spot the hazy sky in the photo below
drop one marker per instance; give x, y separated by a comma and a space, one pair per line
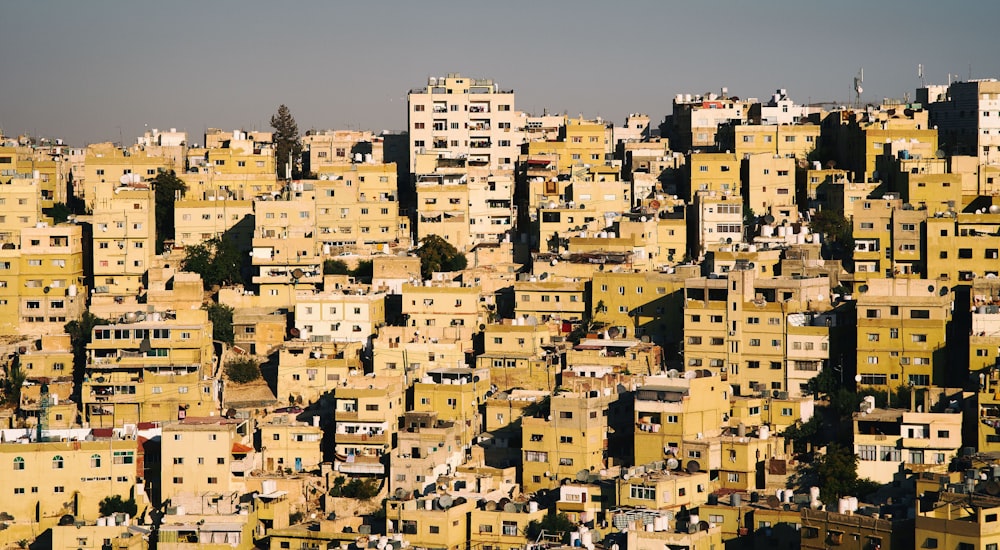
89, 71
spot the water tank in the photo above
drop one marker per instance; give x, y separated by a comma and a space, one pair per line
71, 291
765, 432
843, 505
813, 494
766, 231
782, 231
532, 507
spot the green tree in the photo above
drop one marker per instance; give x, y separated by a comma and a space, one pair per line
80, 332
217, 260
552, 524
836, 472
838, 231
167, 188
335, 267
59, 212
221, 317
803, 433
12, 383
364, 270
116, 504
437, 254
242, 370
286, 141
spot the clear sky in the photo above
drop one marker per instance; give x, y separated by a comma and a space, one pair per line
90, 71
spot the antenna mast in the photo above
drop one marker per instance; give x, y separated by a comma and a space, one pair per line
858, 80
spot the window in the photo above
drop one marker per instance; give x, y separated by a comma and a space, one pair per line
868, 452
640, 492
18, 463
565, 439
59, 489
57, 462
95, 461
786, 411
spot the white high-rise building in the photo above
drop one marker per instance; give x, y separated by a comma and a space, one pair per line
457, 116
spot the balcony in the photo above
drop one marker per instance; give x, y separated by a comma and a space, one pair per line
363, 438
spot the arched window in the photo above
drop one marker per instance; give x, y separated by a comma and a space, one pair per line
57, 462
95, 461
18, 463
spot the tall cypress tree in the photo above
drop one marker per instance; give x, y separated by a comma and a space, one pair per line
286, 141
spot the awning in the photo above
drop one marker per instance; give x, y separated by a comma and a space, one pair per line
239, 448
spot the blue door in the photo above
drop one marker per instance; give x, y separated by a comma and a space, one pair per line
298, 464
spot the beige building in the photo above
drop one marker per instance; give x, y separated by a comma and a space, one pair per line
147, 367
901, 333
367, 412
442, 311
106, 165
196, 221
427, 448
42, 280
235, 165
572, 436
890, 443
288, 444
46, 480
124, 222
206, 455
672, 413
340, 315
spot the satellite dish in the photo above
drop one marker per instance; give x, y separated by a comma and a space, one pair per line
614, 332
939, 153
510, 508
693, 466
445, 502
773, 501
46, 290
490, 506
673, 463
532, 321
645, 339
400, 493
655, 204
673, 373
297, 273
582, 475
992, 488
768, 219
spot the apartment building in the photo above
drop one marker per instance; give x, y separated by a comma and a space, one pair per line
457, 116
520, 356
901, 331
647, 303
717, 222
503, 526
570, 437
581, 143
695, 119
146, 367
719, 172
287, 444
285, 250
45, 167
892, 442
784, 140
826, 528
442, 311
342, 315
206, 455
322, 148
124, 225
434, 521
455, 394
464, 203
307, 370
427, 448
967, 120
367, 412
357, 209
659, 488
69, 475
42, 280
739, 326
768, 181
22, 207
548, 300
873, 250
197, 221
814, 187
963, 246
107, 166
236, 165
674, 410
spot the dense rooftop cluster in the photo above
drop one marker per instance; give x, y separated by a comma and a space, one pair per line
760, 324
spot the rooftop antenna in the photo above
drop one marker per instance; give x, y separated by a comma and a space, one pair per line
920, 74
858, 81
